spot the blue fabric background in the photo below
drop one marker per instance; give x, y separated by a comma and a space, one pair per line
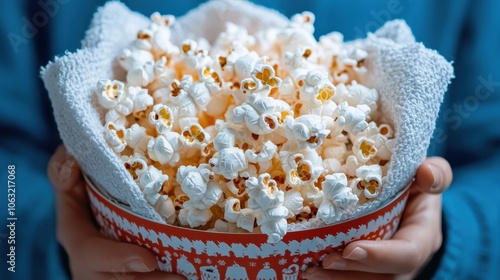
468, 133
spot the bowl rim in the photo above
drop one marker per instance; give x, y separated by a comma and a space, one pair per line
124, 207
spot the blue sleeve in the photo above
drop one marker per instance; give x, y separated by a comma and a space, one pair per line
33, 33
28, 138
471, 207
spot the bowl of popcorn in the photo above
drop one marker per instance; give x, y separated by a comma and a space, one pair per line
234, 144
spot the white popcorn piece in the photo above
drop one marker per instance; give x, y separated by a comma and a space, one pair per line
293, 201
115, 137
181, 102
245, 64
337, 197
224, 139
193, 180
308, 130
136, 138
227, 63
316, 89
151, 182
356, 94
231, 36
140, 97
194, 217
194, 135
162, 118
161, 34
364, 149
298, 33
301, 168
266, 76
351, 119
386, 130
263, 193
229, 162
261, 115
196, 182
237, 186
244, 218
136, 165
111, 95
211, 79
297, 62
263, 157
273, 223
165, 207
131, 59
351, 165
354, 57
165, 148
368, 181
193, 56
266, 198
332, 165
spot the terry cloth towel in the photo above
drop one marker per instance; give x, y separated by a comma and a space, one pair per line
410, 79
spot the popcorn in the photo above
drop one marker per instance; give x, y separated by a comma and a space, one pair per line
368, 181
115, 136
250, 133
308, 130
244, 218
229, 162
165, 148
337, 197
351, 119
162, 118
111, 95
265, 198
136, 138
140, 98
301, 168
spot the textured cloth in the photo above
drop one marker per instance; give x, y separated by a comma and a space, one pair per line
410, 79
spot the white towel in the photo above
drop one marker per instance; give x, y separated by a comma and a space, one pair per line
410, 79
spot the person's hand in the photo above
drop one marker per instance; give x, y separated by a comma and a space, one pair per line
419, 235
92, 256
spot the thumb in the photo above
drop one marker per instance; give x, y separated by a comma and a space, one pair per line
62, 169
434, 175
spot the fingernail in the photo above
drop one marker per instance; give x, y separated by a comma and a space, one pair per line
138, 266
357, 254
436, 174
309, 273
339, 264
334, 261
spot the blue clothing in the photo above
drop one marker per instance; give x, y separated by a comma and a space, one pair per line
468, 132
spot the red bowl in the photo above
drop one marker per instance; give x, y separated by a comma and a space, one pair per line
211, 255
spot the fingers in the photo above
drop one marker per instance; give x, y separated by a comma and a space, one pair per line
81, 239
418, 237
76, 231
63, 171
433, 176
318, 273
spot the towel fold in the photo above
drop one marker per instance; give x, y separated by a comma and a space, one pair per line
410, 79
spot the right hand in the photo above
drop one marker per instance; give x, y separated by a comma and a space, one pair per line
92, 256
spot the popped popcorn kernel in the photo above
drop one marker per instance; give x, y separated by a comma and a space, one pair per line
250, 132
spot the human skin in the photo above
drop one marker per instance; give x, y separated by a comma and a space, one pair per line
419, 235
92, 256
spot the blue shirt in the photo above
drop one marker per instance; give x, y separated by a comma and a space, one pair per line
468, 131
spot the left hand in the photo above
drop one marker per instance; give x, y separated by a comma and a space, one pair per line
419, 235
